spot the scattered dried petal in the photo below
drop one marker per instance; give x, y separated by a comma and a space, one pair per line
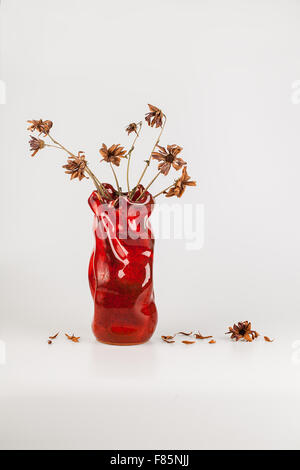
168, 339
55, 336
49, 341
199, 336
188, 342
184, 333
268, 339
212, 341
73, 338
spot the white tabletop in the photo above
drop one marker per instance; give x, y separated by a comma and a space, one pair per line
153, 396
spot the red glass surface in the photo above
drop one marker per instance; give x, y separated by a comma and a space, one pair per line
120, 269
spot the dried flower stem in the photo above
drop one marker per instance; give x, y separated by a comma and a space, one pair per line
130, 152
152, 181
53, 146
100, 188
148, 161
161, 192
61, 146
116, 179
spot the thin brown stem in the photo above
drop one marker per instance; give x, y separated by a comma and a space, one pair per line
100, 188
53, 146
116, 179
163, 191
152, 181
130, 152
61, 146
150, 158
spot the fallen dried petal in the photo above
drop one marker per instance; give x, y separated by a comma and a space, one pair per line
167, 340
167, 337
199, 336
212, 341
53, 337
247, 338
188, 342
73, 338
49, 341
184, 333
268, 339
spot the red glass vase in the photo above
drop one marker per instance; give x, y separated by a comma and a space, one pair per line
120, 269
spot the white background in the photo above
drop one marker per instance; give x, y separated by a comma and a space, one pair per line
223, 71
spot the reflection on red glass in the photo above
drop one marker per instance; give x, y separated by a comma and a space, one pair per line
120, 269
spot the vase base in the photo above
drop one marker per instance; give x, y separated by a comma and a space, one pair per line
120, 344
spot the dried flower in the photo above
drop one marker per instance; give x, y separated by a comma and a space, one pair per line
112, 154
55, 336
180, 185
168, 158
155, 116
268, 339
212, 341
188, 342
43, 127
76, 166
242, 331
35, 145
73, 338
131, 128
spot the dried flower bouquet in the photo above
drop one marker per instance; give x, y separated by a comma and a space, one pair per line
77, 166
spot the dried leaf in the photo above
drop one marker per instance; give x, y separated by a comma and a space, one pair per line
268, 339
53, 337
188, 342
73, 338
212, 341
